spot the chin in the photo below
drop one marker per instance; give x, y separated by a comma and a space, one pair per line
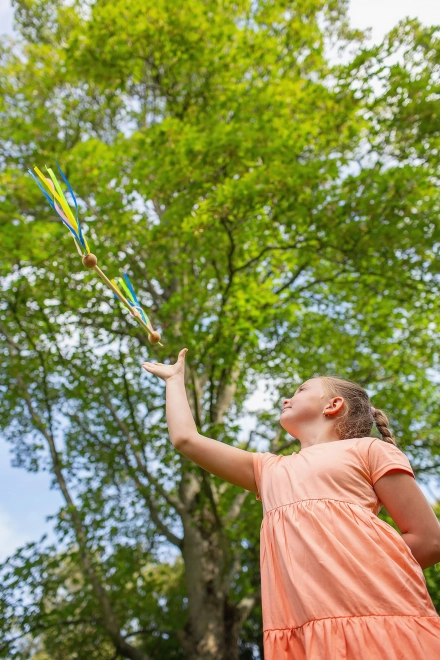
284, 424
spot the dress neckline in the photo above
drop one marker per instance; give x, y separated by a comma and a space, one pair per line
320, 444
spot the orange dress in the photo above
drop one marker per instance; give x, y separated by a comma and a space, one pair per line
337, 582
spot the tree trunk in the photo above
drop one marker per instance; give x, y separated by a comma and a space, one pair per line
214, 624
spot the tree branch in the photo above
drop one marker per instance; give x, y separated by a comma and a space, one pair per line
172, 501
245, 607
171, 537
251, 262
175, 540
225, 394
235, 508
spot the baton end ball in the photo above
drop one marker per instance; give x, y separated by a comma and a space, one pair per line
89, 261
154, 337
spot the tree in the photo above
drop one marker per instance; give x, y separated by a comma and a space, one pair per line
278, 213
67, 622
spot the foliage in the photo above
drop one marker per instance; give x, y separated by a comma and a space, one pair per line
60, 608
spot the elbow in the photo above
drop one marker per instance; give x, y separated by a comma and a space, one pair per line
426, 551
180, 442
431, 556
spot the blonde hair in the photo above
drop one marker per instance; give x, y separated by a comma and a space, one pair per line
357, 418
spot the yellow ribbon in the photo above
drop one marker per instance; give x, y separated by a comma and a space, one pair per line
64, 205
118, 289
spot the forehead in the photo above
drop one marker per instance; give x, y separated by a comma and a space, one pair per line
311, 383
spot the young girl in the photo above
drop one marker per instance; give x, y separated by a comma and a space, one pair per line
337, 582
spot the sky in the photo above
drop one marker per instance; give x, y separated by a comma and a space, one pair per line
26, 499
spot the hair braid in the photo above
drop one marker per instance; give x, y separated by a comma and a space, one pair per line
381, 421
358, 415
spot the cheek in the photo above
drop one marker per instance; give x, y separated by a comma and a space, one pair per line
306, 408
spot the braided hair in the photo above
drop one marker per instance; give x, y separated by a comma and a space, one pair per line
381, 421
358, 415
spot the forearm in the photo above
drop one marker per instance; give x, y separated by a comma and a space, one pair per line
425, 553
181, 425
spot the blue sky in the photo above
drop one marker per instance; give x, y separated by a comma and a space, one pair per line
26, 499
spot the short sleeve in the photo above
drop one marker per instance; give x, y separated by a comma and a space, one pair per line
384, 457
260, 461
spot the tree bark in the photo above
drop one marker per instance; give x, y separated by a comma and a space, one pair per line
214, 623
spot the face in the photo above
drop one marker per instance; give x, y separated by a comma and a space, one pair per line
305, 406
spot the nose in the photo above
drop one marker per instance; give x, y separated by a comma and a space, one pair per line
286, 401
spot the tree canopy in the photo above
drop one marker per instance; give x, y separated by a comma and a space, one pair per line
277, 210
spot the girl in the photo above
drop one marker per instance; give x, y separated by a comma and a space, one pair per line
337, 582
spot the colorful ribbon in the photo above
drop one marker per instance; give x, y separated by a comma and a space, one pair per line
51, 189
130, 295
58, 202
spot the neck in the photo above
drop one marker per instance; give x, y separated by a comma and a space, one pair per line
316, 433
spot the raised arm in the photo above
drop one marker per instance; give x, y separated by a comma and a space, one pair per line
229, 463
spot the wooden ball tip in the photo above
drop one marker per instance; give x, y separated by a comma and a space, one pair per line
154, 337
89, 261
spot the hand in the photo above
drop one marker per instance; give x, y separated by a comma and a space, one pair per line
166, 371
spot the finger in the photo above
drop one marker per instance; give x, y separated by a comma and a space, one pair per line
150, 366
182, 354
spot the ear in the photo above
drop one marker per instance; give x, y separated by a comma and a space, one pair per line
334, 406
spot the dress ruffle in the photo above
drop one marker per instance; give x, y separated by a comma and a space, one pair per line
358, 638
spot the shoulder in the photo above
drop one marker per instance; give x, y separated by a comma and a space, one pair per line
372, 444
261, 461
382, 457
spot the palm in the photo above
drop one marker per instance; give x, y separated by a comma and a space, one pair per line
165, 371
